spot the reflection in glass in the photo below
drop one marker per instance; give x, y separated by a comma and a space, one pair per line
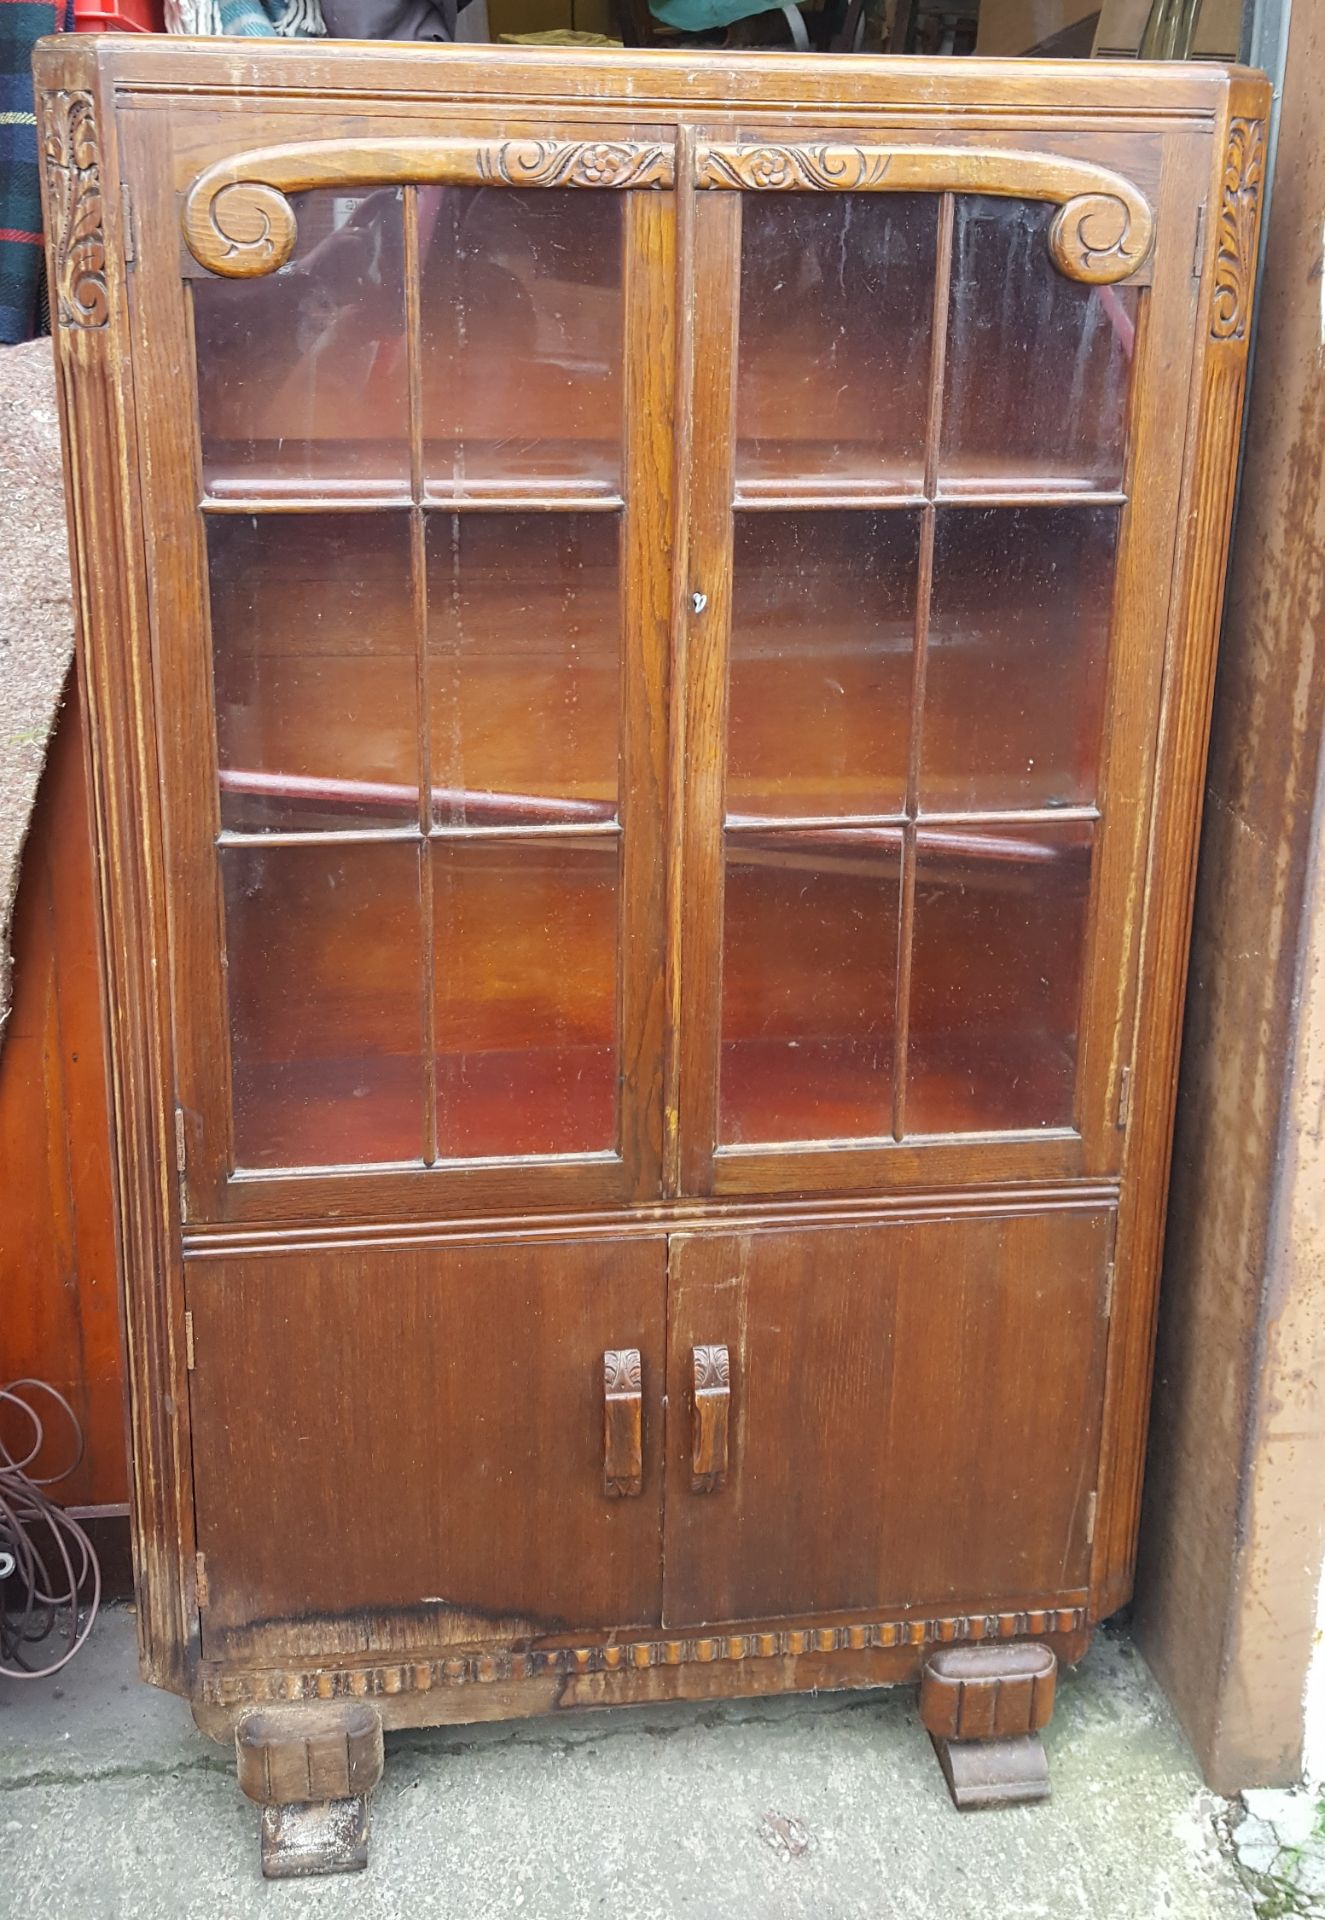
302, 376
315, 669
1018, 646
837, 294
521, 316
526, 996
808, 984
1000, 928
524, 667
325, 1003
1038, 365
823, 622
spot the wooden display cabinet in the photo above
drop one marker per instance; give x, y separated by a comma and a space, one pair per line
648, 624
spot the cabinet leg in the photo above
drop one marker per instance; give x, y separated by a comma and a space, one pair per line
984, 1708
311, 1769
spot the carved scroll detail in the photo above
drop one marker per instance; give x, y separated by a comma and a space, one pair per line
71, 155
511, 1664
1235, 246
238, 221
1103, 233
575, 163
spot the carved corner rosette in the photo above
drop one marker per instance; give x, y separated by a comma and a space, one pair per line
1235, 244
71, 161
238, 220
1103, 232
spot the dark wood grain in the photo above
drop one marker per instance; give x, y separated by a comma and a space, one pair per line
57, 1232
894, 1392
968, 919
476, 1375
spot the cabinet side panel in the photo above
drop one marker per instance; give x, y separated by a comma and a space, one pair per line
85, 245
1231, 236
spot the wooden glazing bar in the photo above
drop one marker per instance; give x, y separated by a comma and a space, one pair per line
749, 823
677, 772
504, 500
423, 711
924, 593
716, 253
779, 497
648, 238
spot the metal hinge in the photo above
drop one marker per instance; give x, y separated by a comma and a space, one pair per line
1092, 1506
128, 227
1124, 1095
181, 1162
1110, 1276
1198, 254
188, 1341
200, 1564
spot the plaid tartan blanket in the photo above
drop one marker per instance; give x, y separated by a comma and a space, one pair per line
22, 23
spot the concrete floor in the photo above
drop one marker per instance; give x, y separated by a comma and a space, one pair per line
113, 1808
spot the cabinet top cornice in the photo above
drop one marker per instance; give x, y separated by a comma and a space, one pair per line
670, 83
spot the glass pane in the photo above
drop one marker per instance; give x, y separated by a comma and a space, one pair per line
1038, 365
524, 666
315, 665
526, 1004
522, 338
326, 998
837, 293
808, 985
1018, 645
823, 624
1000, 927
302, 379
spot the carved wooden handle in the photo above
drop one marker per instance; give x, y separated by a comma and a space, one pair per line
623, 1423
710, 1418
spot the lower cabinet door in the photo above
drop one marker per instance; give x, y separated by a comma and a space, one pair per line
884, 1416
412, 1448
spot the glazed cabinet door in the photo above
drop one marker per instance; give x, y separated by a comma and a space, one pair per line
883, 1417
931, 548
408, 530
418, 1449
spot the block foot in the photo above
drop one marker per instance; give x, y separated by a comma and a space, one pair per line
984, 1708
311, 1769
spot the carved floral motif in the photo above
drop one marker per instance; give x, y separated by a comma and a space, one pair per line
71, 156
621, 1370
775, 169
575, 163
712, 1367
1235, 247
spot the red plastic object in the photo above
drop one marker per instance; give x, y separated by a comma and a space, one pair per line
118, 16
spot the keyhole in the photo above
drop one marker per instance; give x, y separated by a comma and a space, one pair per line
698, 602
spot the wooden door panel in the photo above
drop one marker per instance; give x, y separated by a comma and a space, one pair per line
914, 1415
924, 672
412, 547
409, 1448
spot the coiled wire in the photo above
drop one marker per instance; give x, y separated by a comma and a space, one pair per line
50, 1580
